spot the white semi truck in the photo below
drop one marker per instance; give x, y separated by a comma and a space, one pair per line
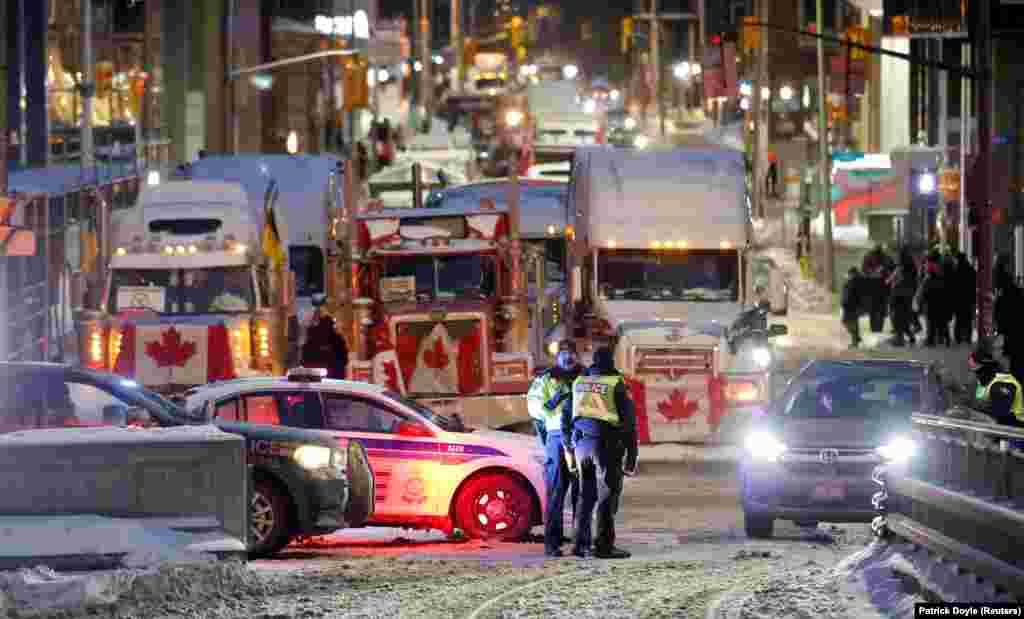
191, 295
661, 269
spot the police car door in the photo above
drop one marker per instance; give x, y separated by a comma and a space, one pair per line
403, 453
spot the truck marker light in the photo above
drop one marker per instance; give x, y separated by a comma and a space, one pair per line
180, 249
669, 245
96, 347
192, 249
725, 245
681, 244
240, 248
611, 243
552, 229
168, 250
656, 244
121, 251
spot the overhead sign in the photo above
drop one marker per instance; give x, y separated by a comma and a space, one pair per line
356, 25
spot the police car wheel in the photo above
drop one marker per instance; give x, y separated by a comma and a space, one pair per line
268, 520
494, 506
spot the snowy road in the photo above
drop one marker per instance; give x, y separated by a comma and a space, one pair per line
683, 526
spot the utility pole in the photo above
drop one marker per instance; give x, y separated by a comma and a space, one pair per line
655, 40
4, 128
755, 107
982, 56
88, 86
457, 45
823, 163
425, 60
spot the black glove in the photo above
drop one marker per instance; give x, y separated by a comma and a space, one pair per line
554, 402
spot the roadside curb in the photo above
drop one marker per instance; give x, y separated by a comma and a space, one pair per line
697, 459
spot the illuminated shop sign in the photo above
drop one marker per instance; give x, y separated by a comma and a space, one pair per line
356, 25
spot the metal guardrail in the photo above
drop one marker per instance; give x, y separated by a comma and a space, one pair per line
961, 497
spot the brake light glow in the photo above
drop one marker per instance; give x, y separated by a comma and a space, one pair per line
261, 359
95, 347
116, 339
241, 343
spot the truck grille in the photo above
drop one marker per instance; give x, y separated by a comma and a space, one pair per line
672, 362
443, 358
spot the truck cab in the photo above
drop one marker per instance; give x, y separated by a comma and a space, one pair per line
662, 271
188, 297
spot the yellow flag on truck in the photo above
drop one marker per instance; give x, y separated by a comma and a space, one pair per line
273, 248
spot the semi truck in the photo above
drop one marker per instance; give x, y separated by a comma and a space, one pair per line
661, 269
440, 308
192, 292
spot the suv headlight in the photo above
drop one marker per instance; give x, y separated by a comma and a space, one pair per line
762, 356
764, 447
899, 449
313, 457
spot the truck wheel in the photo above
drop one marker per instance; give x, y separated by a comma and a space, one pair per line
268, 520
494, 506
758, 527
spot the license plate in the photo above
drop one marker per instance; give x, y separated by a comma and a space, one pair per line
830, 491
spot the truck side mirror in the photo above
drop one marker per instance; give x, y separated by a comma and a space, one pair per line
777, 330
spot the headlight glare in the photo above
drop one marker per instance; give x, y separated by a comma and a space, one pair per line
899, 449
553, 348
764, 447
313, 457
761, 356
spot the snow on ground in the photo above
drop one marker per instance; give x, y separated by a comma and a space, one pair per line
153, 557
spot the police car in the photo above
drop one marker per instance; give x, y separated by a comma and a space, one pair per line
431, 472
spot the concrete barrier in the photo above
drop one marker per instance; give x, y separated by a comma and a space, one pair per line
189, 479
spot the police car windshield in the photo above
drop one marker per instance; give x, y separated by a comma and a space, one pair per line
445, 423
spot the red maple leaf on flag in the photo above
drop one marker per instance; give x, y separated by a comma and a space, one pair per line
435, 357
391, 375
171, 350
677, 406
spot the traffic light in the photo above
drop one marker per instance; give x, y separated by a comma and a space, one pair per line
356, 82
627, 34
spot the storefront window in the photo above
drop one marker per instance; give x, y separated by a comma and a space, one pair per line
126, 83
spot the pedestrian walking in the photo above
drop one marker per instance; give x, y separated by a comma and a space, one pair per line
549, 394
903, 284
772, 176
930, 301
964, 299
874, 271
851, 303
324, 346
599, 429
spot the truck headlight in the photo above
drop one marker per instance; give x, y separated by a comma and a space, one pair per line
764, 447
899, 449
553, 348
761, 356
313, 457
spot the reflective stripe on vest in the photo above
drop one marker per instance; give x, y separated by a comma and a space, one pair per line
543, 389
1018, 398
593, 397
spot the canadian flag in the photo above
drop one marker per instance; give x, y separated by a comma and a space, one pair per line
162, 354
436, 368
387, 372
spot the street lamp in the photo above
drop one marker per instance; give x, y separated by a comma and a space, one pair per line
744, 104
926, 183
766, 93
682, 70
417, 66
746, 89
570, 71
292, 144
786, 93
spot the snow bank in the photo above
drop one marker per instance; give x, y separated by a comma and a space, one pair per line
805, 295
159, 563
111, 435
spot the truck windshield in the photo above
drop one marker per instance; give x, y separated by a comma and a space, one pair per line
674, 275
440, 277
220, 290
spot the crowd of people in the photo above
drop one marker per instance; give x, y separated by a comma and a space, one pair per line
939, 287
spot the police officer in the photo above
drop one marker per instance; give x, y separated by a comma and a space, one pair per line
548, 395
324, 347
998, 394
599, 428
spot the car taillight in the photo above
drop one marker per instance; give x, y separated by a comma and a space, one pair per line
261, 346
742, 391
411, 428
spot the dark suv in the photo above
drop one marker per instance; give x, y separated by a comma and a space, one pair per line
292, 493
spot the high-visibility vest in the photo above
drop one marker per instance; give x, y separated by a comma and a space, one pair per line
544, 388
593, 397
984, 392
